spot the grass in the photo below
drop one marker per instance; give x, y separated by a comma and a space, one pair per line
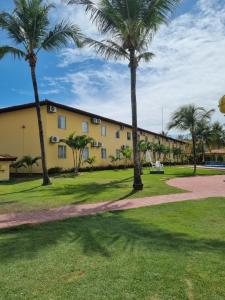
172, 251
28, 194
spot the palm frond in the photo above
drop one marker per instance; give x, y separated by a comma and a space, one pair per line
17, 53
60, 35
107, 48
146, 56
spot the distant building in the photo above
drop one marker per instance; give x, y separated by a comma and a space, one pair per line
19, 134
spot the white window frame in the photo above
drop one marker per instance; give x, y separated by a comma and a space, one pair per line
118, 153
62, 155
86, 153
61, 125
103, 150
103, 132
85, 129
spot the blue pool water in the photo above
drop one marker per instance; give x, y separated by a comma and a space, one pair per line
214, 164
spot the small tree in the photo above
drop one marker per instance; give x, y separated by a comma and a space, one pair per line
159, 149
114, 160
143, 147
126, 155
166, 152
29, 161
90, 161
17, 165
77, 144
177, 153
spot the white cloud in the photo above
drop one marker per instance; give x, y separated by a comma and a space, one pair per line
189, 67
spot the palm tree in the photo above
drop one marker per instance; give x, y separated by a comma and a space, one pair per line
90, 161
159, 149
166, 152
17, 165
30, 161
28, 27
77, 144
217, 135
204, 137
177, 153
127, 155
186, 118
128, 26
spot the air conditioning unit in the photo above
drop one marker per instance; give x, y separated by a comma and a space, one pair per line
95, 145
52, 109
100, 144
122, 127
96, 121
54, 139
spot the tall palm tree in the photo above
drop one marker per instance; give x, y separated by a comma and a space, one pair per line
28, 27
128, 26
186, 118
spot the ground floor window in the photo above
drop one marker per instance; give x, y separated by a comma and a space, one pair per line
118, 153
61, 151
103, 153
85, 153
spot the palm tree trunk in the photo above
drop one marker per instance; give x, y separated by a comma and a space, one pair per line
74, 164
194, 152
137, 185
46, 180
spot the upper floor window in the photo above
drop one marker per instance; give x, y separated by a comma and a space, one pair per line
85, 153
62, 122
129, 136
117, 134
62, 151
85, 127
103, 131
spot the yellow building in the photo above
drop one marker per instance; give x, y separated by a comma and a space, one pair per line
19, 133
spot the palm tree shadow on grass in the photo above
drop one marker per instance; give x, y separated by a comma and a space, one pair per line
22, 191
96, 235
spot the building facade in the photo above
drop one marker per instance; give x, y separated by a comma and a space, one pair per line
19, 134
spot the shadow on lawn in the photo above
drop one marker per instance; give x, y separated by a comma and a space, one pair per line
22, 191
97, 235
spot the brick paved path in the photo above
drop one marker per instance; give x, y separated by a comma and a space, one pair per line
197, 188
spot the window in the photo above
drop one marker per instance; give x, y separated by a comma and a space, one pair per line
103, 153
85, 153
118, 153
85, 127
61, 151
103, 131
129, 136
62, 122
117, 134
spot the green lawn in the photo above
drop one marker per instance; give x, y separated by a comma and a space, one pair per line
28, 194
168, 252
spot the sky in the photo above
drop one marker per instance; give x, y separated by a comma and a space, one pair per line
188, 67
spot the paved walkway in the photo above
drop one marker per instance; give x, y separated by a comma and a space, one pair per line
197, 188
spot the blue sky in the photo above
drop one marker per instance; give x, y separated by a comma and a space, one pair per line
189, 67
